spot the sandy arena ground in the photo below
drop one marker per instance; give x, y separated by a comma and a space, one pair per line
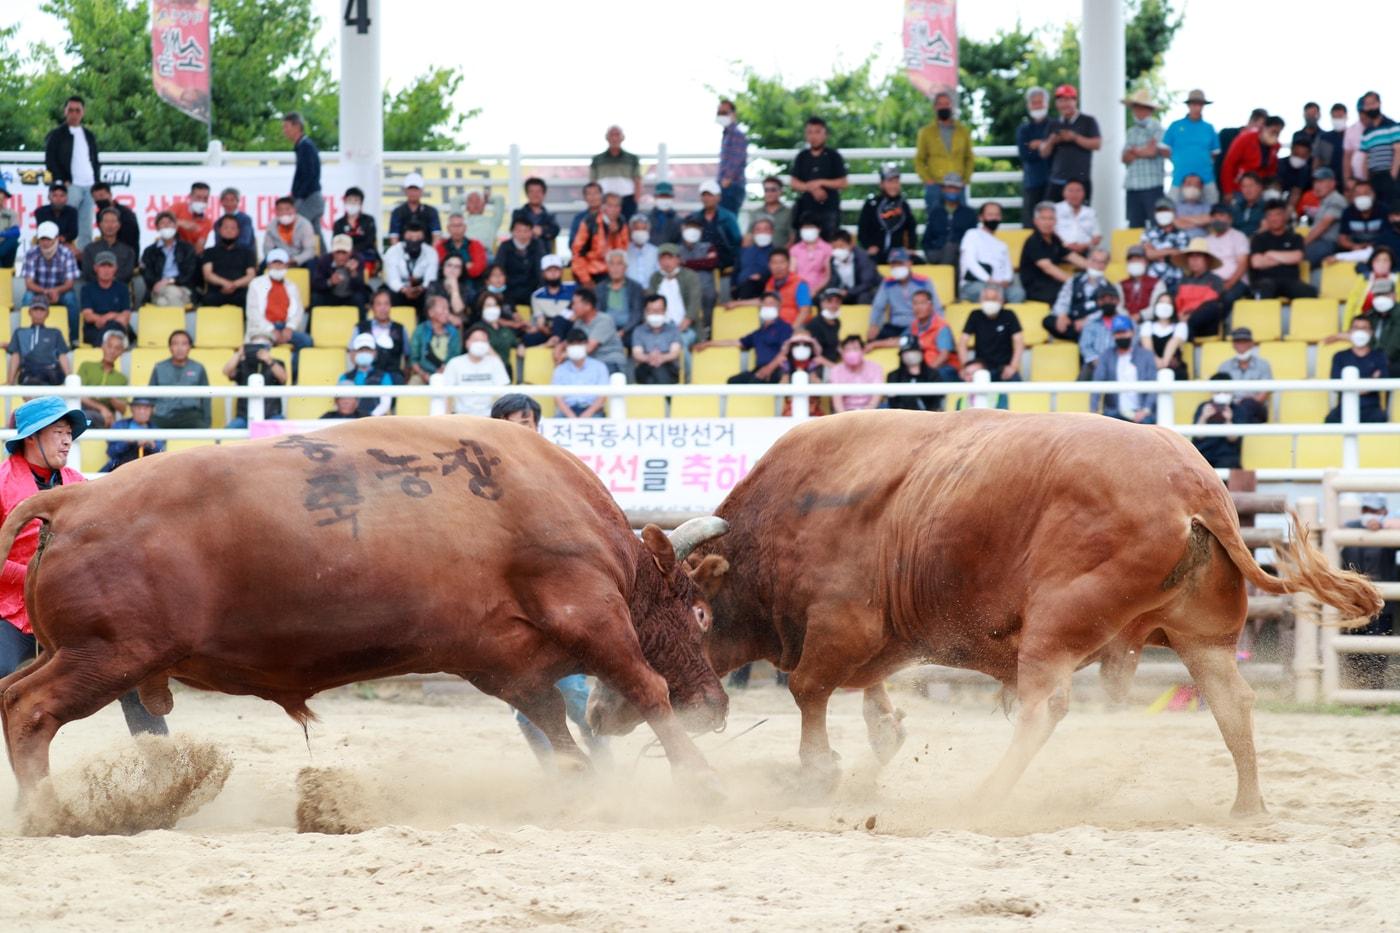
1120, 824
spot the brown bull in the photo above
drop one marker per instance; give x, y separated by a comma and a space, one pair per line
287, 566
1015, 545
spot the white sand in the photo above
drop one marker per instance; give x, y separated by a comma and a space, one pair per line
1120, 824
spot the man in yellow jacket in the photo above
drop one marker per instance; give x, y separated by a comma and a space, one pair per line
944, 146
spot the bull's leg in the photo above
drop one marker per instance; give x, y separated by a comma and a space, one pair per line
1042, 689
883, 723
1231, 700
545, 709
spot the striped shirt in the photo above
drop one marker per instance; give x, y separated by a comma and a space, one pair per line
1141, 173
1378, 145
733, 155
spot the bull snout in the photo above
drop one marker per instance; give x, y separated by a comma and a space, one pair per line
707, 712
609, 713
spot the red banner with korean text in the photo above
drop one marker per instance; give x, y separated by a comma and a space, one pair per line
180, 55
931, 45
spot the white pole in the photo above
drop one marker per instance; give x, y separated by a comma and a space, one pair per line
1166, 402
1351, 417
75, 453
1307, 673
516, 178
801, 408
1101, 89
1331, 521
982, 379
617, 404
256, 409
437, 405
362, 101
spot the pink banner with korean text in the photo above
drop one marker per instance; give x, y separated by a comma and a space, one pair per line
931, 45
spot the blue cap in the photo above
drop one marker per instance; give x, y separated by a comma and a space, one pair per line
32, 417
1121, 325
899, 254
664, 187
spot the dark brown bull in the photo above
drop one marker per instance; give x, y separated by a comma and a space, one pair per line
1016, 545
287, 566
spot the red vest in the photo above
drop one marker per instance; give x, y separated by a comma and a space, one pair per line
16, 485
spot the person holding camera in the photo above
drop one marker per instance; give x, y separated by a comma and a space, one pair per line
1224, 452
255, 356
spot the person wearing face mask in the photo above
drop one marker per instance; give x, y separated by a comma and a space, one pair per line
38, 354
1363, 220
1276, 257
718, 225
944, 148
913, 369
598, 234
435, 341
733, 158
293, 233
1295, 173
478, 366
1329, 149
1165, 334
641, 252
1138, 287
1129, 361
1075, 222
1193, 146
1069, 144
751, 270
390, 338
1143, 154
1192, 213
1373, 298
766, 343
551, 305
604, 342
1253, 150
1372, 364
1223, 453
1077, 301
1380, 141
169, 266
1096, 338
825, 326
51, 272
665, 219
1035, 168
802, 354
794, 294
365, 371
410, 267
129, 228
413, 209
1198, 294
811, 257
854, 369
992, 339
887, 220
700, 256
276, 306
62, 215
338, 278
775, 212
656, 346
1325, 209
228, 267
1164, 241
577, 368
1247, 363
255, 357
360, 228
852, 272
893, 307
935, 335
229, 201
503, 328
193, 218
681, 289
947, 222
984, 259
1231, 247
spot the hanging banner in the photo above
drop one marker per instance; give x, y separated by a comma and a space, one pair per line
931, 45
180, 55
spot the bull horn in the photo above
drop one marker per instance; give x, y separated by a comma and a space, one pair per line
695, 532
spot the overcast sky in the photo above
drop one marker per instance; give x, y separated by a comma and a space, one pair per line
550, 75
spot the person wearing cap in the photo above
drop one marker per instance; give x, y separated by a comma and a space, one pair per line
275, 306
366, 371
1231, 247
852, 272
893, 308
180, 370
457, 243
255, 357
1197, 292
1373, 297
1076, 224
1223, 453
306, 177
338, 278
38, 353
1370, 362
576, 368
775, 212
985, 259
410, 266
681, 289
818, 174
1295, 173
1077, 301
552, 304
50, 272
413, 209
946, 222
656, 345
1129, 361
169, 266
121, 452
109, 226
359, 227
943, 148
292, 233
70, 157
733, 158
802, 353
1035, 168
229, 201
1323, 207
63, 215
477, 366
719, 225
106, 303
913, 369
1247, 363
825, 326
641, 251
1137, 289
544, 226
1276, 257
664, 219
1143, 154
1253, 150
193, 219
1164, 241
1070, 142
1368, 671
1193, 145
9, 230
598, 234
618, 171
106, 371
519, 257
390, 337
1096, 338
229, 267
887, 220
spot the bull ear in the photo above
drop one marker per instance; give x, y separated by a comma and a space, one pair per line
659, 545
708, 574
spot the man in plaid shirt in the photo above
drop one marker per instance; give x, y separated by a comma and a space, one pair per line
733, 159
51, 272
1143, 155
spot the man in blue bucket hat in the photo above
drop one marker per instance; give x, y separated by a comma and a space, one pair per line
45, 429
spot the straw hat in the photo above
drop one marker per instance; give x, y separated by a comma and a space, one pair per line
1140, 98
1198, 245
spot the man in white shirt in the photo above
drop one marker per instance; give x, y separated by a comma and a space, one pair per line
479, 366
1075, 222
986, 260
641, 252
70, 155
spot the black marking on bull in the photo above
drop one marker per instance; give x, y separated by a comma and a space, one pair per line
1197, 554
338, 494
412, 484
810, 502
483, 484
317, 451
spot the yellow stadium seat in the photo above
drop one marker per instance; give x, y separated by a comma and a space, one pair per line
1029, 401
695, 406
1322, 365
414, 405
5, 327
1379, 451
155, 324
301, 278
334, 325
1287, 360
711, 366
1267, 452
1032, 315
1303, 407
83, 355
1186, 404
308, 409
1014, 240
1319, 451
143, 360
1055, 362
1116, 272
1338, 279
944, 279
1071, 401
855, 319
321, 366
1263, 316
1311, 319
405, 315
886, 357
220, 326
1122, 239
539, 366
1214, 353
94, 453
957, 315
213, 360
283, 354
57, 319
750, 406
733, 323
646, 406
7, 289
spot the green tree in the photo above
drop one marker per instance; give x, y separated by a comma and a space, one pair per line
421, 116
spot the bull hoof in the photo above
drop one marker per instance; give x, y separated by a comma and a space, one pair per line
1244, 809
887, 735
705, 786
820, 777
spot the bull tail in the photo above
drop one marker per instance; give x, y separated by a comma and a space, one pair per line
1302, 567
40, 507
